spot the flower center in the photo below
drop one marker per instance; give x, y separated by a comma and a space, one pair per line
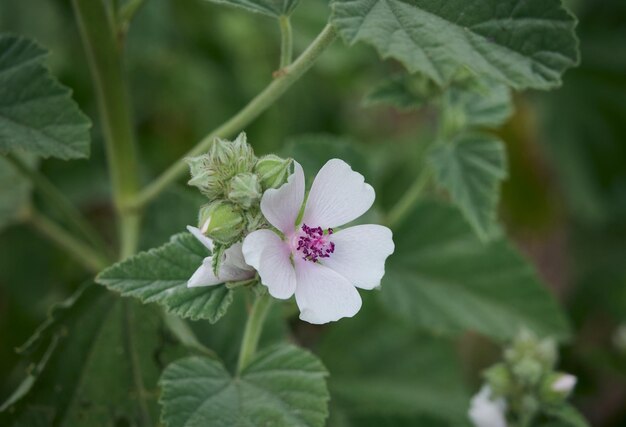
313, 244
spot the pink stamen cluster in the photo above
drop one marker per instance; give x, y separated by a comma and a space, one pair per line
313, 244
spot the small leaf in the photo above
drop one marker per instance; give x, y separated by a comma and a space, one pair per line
481, 103
273, 8
283, 386
441, 277
160, 275
404, 92
15, 191
37, 114
523, 43
567, 416
471, 168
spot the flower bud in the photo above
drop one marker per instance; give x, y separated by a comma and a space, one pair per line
273, 171
221, 221
557, 387
232, 157
244, 190
204, 176
499, 379
528, 371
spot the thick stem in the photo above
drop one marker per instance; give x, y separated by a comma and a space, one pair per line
286, 77
58, 200
99, 33
410, 197
286, 41
89, 258
252, 333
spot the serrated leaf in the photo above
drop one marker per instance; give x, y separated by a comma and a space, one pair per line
273, 8
15, 193
404, 92
96, 362
523, 43
481, 103
441, 277
471, 168
423, 379
283, 386
37, 114
160, 275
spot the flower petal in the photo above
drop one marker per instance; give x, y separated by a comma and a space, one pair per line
234, 267
322, 295
270, 256
204, 275
485, 412
338, 195
360, 254
281, 206
201, 237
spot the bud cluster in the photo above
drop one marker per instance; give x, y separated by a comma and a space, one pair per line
526, 379
234, 179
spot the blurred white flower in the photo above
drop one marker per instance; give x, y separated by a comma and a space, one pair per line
564, 383
487, 412
232, 267
320, 266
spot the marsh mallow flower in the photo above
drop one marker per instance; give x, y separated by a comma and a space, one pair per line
232, 267
308, 257
487, 412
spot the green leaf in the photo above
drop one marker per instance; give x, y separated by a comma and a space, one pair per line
479, 102
273, 8
282, 386
567, 416
391, 369
15, 193
523, 43
95, 362
441, 277
37, 114
404, 92
471, 168
160, 275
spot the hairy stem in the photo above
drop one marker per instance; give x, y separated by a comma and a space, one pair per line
99, 33
285, 78
286, 41
410, 197
57, 199
90, 259
252, 333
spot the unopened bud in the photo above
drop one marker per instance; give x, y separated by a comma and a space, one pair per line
273, 171
557, 387
232, 157
205, 176
499, 379
528, 371
221, 221
244, 190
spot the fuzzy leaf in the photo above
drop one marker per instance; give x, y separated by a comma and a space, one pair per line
37, 114
283, 386
481, 103
441, 277
95, 362
273, 8
524, 43
160, 275
404, 92
471, 168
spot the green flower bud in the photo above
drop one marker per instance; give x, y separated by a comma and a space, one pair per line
273, 171
244, 190
232, 157
221, 221
557, 387
528, 371
499, 379
254, 220
211, 172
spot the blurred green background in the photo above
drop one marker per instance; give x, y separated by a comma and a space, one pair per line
192, 64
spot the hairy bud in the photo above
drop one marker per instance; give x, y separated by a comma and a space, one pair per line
221, 221
244, 190
273, 171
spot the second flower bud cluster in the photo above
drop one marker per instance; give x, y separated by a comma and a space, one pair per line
234, 179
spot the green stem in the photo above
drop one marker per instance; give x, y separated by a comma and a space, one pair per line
98, 29
58, 200
90, 259
252, 333
286, 41
410, 197
286, 77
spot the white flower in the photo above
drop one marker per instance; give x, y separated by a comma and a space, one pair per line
485, 412
232, 268
320, 266
564, 384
